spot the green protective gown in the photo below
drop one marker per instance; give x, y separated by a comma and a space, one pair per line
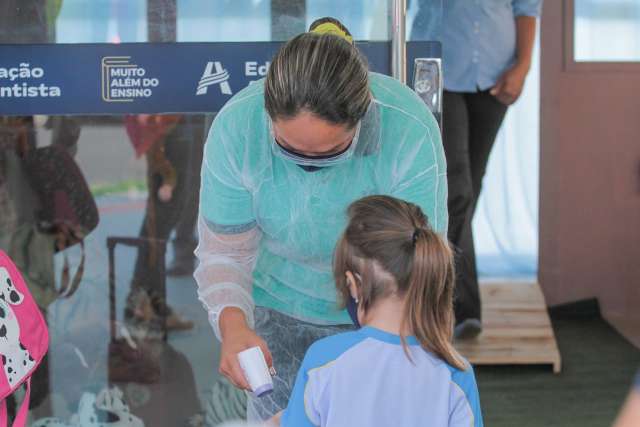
299, 215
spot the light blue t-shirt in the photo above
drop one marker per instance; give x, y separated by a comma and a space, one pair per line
364, 378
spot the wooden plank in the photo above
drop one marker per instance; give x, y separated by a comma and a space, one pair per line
516, 328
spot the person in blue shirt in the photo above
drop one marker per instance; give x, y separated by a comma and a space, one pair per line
487, 48
400, 368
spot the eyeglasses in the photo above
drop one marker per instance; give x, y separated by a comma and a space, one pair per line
324, 160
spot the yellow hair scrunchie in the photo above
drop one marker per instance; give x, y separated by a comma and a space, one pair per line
331, 28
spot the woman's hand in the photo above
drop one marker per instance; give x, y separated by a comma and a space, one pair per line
509, 87
237, 337
165, 193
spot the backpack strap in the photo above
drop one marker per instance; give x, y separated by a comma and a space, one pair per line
4, 418
69, 287
23, 413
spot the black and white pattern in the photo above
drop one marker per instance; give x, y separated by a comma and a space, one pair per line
8, 291
16, 359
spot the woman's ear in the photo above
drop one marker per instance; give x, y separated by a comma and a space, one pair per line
353, 285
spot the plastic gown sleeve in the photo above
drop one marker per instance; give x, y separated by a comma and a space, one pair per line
224, 274
228, 232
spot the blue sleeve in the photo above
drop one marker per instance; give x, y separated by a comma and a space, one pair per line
225, 203
527, 7
298, 413
425, 183
465, 400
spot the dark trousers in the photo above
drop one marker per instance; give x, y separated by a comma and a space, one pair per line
470, 124
183, 148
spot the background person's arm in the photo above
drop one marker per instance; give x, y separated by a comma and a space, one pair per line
509, 86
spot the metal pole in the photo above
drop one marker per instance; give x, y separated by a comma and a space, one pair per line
399, 40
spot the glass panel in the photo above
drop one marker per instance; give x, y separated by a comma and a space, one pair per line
120, 21
275, 20
223, 20
607, 31
366, 20
141, 174
100, 21
424, 20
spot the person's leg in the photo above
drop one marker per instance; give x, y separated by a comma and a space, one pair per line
455, 137
455, 140
157, 224
288, 340
160, 218
185, 242
486, 114
468, 304
65, 132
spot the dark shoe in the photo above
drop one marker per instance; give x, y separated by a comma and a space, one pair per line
129, 364
467, 329
174, 321
145, 316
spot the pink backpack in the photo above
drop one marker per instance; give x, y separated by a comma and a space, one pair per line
24, 338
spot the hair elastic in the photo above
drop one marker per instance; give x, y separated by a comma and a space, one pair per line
414, 238
331, 28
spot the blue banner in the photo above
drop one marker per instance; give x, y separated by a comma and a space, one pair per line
147, 77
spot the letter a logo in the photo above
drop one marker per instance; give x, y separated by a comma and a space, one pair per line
214, 74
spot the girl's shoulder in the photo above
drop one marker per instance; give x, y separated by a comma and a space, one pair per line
464, 379
327, 350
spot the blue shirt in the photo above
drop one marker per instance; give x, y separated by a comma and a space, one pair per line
364, 378
478, 38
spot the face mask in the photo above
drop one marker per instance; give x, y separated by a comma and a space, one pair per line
309, 168
313, 163
352, 305
305, 167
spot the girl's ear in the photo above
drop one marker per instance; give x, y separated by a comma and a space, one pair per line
353, 285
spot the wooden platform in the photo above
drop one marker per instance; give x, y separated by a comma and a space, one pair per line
517, 329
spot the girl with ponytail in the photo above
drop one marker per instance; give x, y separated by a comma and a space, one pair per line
400, 367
